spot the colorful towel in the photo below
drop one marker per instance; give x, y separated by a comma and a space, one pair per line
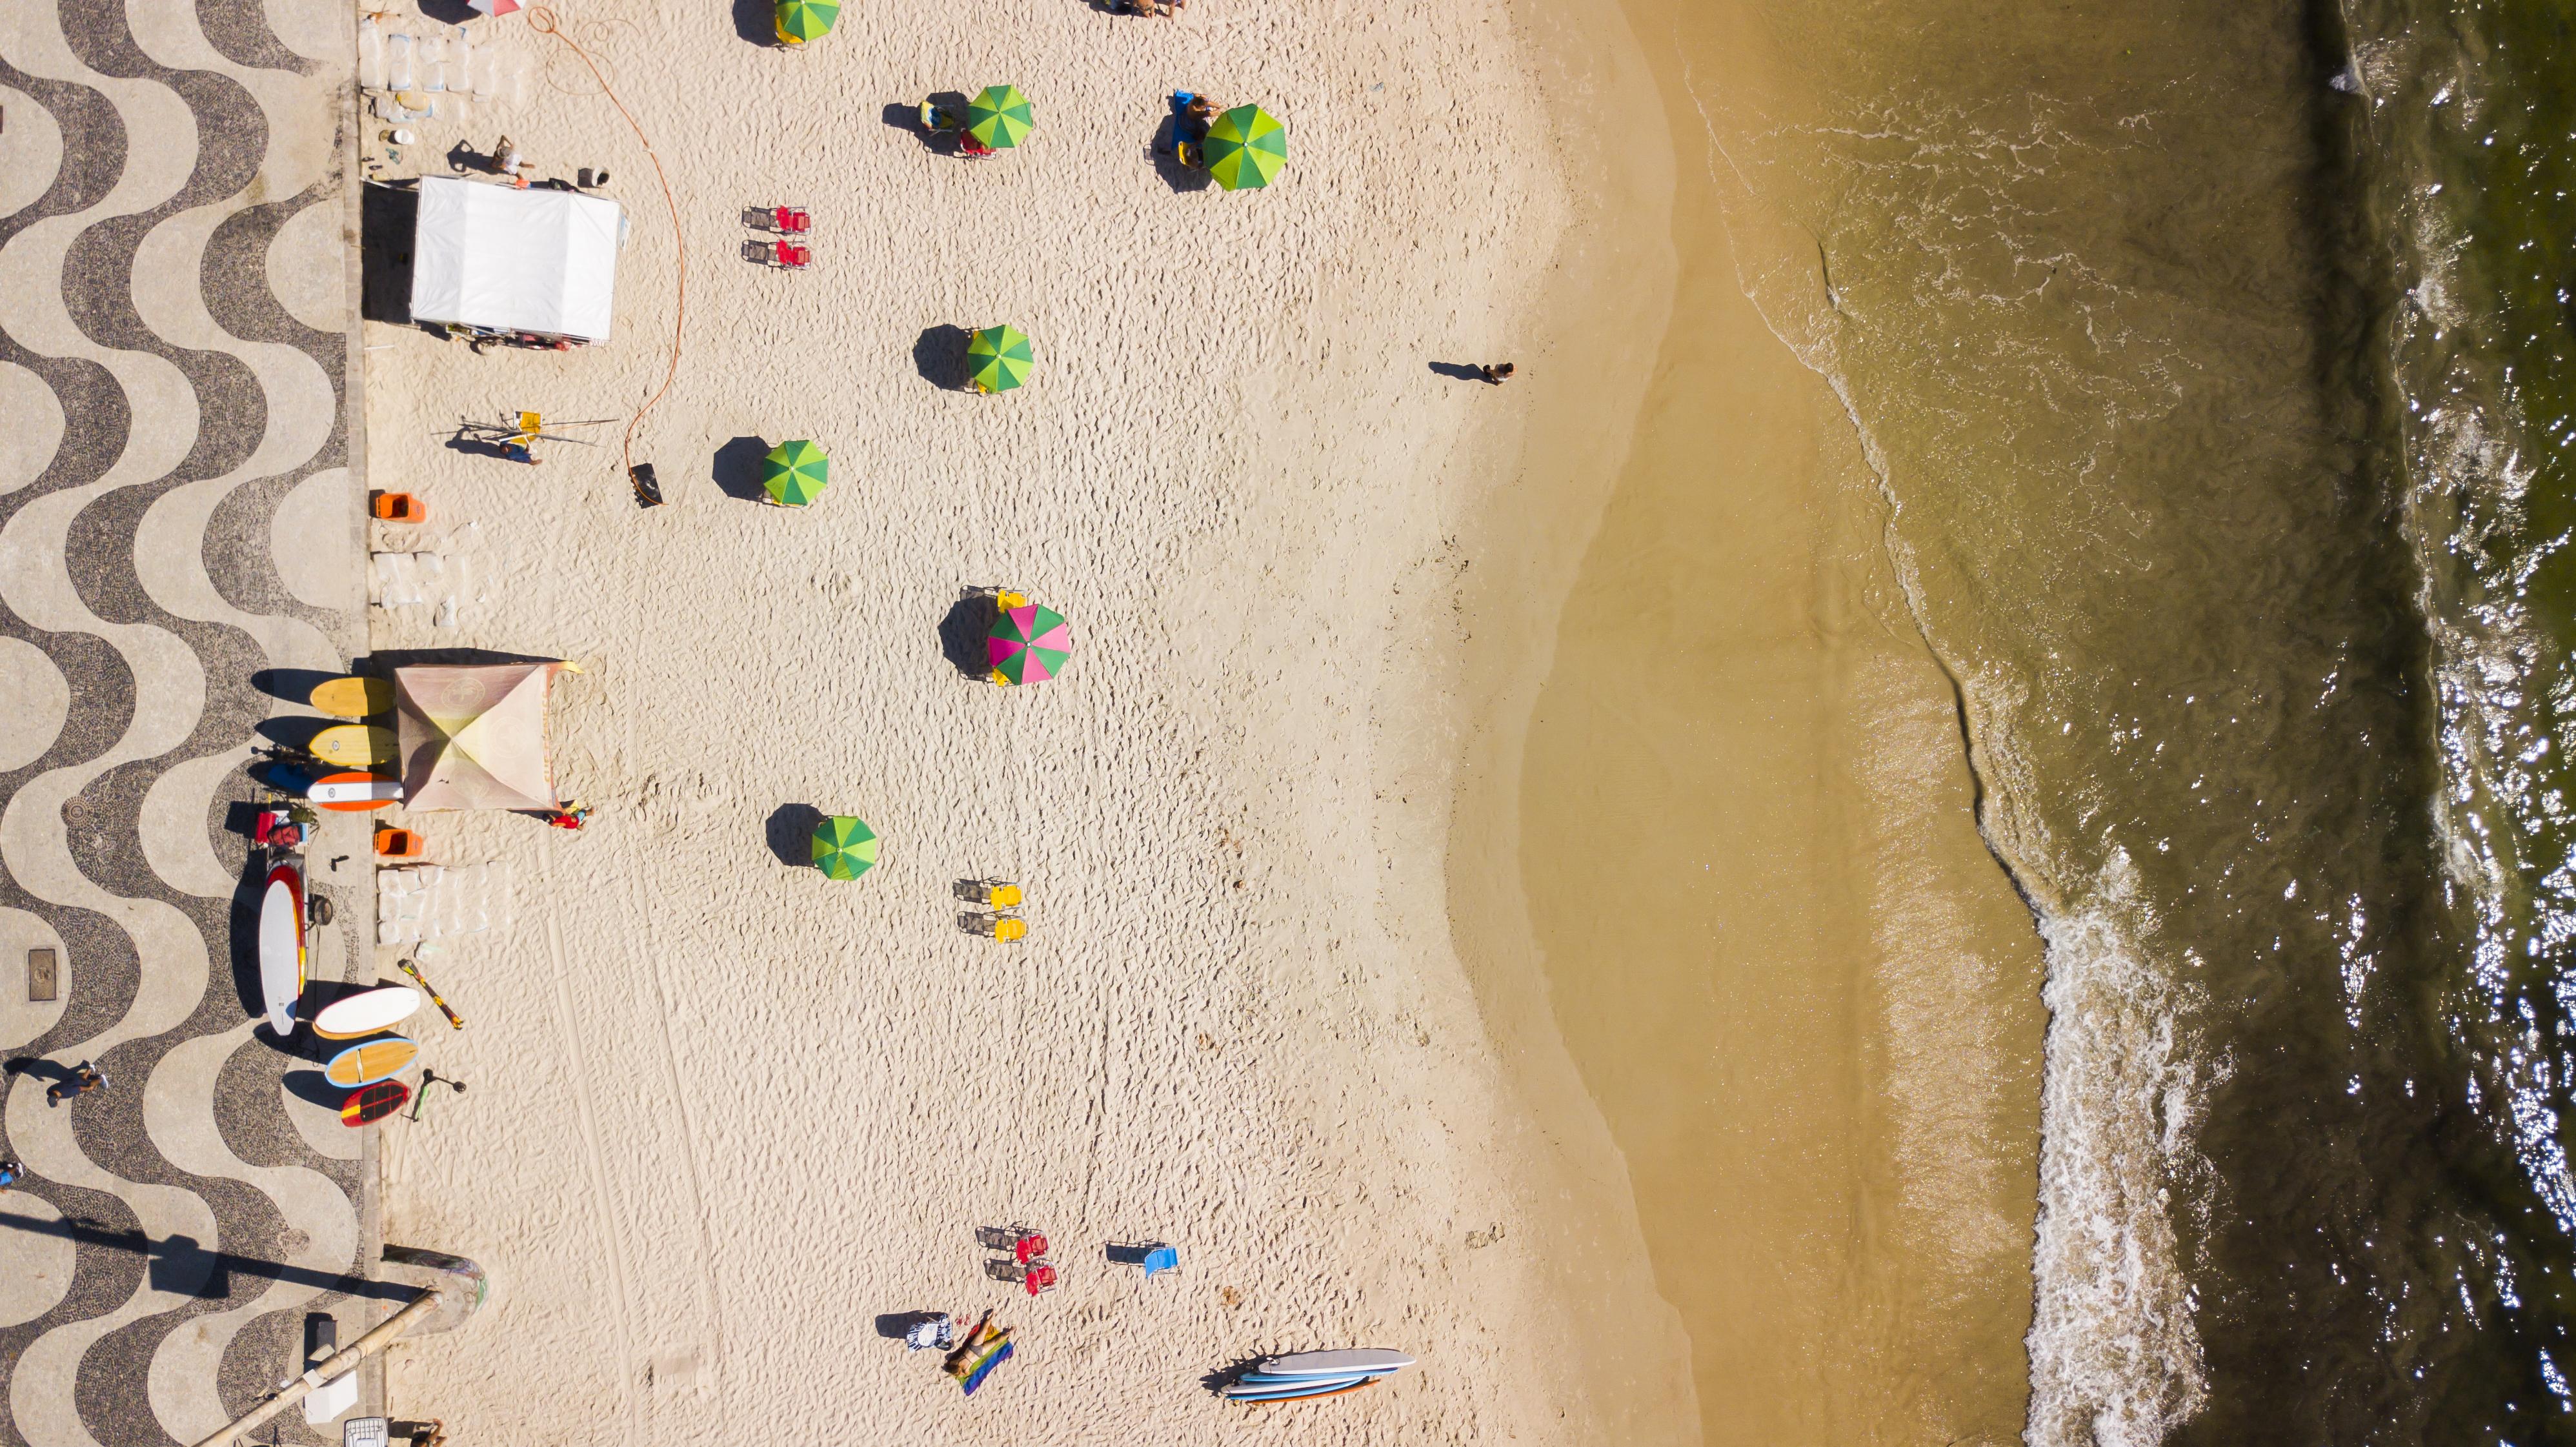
986, 1369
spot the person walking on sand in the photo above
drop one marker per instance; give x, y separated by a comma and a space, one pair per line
84, 1079
1495, 372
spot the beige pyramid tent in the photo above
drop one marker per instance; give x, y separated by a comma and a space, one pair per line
474, 737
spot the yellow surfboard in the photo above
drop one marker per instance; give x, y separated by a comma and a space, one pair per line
354, 697
366, 1064
354, 746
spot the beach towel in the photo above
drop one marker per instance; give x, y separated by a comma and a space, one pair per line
985, 1369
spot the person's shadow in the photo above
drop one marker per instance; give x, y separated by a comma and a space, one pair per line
37, 1067
1458, 371
736, 468
940, 356
791, 834
474, 445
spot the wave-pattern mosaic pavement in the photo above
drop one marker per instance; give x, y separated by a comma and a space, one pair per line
163, 164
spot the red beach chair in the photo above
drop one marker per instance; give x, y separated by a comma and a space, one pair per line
1038, 1279
792, 256
793, 220
1030, 1246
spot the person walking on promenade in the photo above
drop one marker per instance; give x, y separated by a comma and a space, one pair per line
10, 1171
84, 1079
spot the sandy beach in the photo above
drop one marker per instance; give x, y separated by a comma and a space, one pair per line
724, 1113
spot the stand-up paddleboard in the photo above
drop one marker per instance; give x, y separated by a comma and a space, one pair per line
354, 697
281, 946
366, 1064
1333, 1364
354, 793
370, 1103
353, 746
366, 1012
1333, 1387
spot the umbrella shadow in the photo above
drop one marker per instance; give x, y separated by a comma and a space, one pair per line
736, 468
961, 634
756, 21
907, 118
940, 356
791, 834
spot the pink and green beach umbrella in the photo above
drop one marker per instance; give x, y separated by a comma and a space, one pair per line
1028, 645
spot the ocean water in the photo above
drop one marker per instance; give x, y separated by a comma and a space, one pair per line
2212, 362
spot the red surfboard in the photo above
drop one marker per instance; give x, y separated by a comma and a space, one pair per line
370, 1103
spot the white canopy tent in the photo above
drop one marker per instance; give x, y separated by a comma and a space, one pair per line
516, 261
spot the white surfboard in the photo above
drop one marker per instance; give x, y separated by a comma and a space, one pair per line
366, 1012
1362, 1361
281, 947
371, 791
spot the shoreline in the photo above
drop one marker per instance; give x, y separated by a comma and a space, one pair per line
1807, 1070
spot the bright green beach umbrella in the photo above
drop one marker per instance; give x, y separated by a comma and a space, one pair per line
794, 472
844, 848
997, 359
803, 20
1246, 147
999, 117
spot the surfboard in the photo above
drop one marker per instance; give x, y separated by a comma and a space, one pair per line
353, 746
281, 946
1333, 1364
1293, 1394
366, 1064
366, 1012
373, 1102
353, 697
1265, 1379
1257, 1387
353, 793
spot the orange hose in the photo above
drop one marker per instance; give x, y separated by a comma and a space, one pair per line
542, 19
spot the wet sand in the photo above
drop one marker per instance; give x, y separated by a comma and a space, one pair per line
1799, 991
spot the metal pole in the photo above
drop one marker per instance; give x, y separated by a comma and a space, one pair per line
339, 1362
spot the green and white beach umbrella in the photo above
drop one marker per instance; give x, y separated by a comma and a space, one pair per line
794, 472
803, 20
999, 117
1246, 147
844, 848
997, 358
